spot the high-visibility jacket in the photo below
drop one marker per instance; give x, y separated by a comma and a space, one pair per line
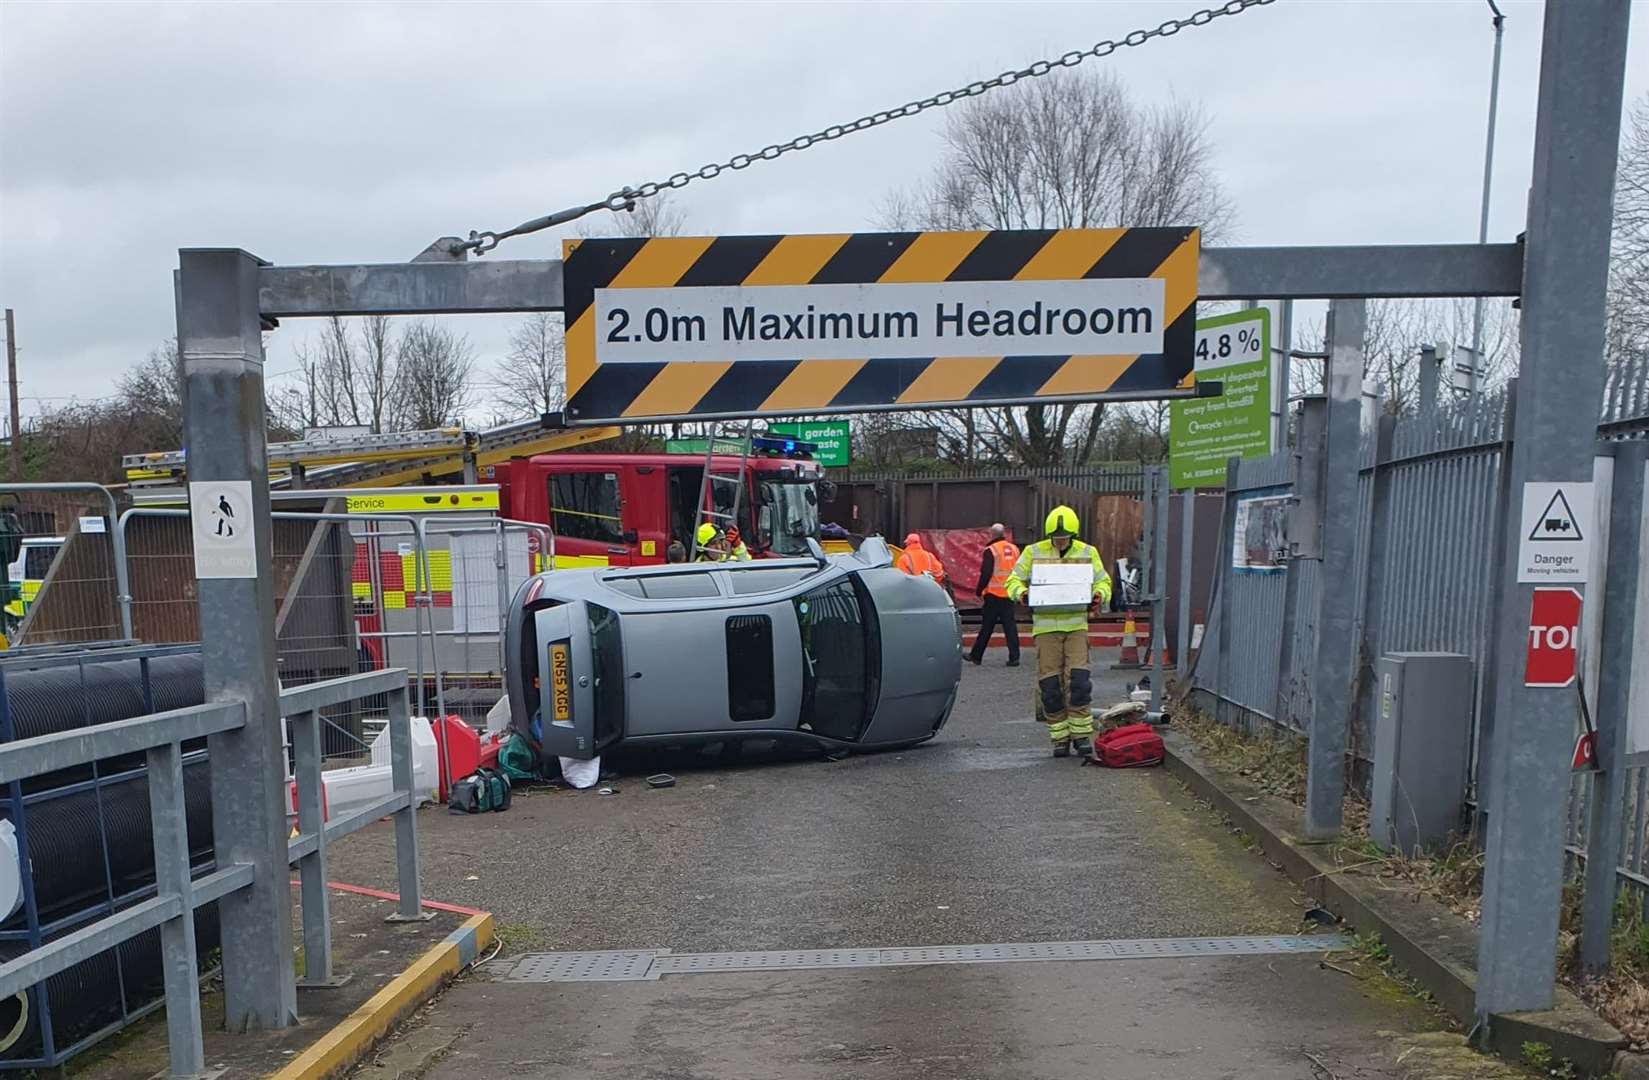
1003, 557
739, 554
1046, 620
916, 561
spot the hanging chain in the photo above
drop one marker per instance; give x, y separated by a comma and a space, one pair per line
626, 198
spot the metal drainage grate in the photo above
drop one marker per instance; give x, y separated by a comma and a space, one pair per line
577, 967
636, 966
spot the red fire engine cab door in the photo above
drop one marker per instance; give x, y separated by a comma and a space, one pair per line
646, 515
587, 512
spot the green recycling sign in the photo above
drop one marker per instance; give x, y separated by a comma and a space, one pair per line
832, 437
1234, 350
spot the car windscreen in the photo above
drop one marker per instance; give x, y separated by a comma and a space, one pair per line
790, 514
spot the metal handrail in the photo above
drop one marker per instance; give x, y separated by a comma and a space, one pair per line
80, 746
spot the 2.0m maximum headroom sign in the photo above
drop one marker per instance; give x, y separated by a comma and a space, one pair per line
702, 327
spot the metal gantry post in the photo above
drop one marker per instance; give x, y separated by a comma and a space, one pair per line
221, 347
1625, 568
1577, 133
1335, 668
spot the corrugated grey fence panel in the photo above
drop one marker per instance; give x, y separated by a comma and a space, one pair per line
1248, 681
1436, 544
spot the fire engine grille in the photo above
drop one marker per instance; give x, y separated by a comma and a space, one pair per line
644, 965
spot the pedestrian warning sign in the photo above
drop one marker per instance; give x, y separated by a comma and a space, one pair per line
220, 513
1554, 533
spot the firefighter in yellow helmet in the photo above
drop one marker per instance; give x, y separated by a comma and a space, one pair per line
1064, 685
712, 546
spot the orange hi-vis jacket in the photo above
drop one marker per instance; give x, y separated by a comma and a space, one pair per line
916, 561
1003, 555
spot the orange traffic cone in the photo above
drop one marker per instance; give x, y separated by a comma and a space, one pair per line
1130, 646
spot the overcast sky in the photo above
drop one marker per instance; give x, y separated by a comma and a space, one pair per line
309, 132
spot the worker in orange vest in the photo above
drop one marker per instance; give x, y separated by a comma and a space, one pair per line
919, 560
994, 567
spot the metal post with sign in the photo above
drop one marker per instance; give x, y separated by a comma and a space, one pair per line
220, 349
1554, 438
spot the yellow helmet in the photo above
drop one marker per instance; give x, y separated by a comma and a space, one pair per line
1061, 522
707, 534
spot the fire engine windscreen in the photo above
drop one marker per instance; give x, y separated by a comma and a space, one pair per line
789, 515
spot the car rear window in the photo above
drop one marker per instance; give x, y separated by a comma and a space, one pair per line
764, 579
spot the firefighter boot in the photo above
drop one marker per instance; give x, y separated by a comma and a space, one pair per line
1083, 746
1062, 748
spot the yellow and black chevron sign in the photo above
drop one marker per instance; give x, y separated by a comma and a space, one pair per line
701, 327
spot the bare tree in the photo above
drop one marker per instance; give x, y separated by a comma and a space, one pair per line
378, 370
532, 376
1629, 267
1072, 150
434, 384
1395, 333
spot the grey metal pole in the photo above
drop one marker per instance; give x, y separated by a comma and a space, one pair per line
16, 416
1159, 581
1603, 832
1283, 350
1187, 549
305, 729
1577, 135
220, 343
164, 777
1488, 181
1428, 380
1337, 605
410, 907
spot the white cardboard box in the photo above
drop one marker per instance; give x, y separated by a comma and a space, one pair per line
1062, 584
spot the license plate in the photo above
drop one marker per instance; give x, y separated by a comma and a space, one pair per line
561, 694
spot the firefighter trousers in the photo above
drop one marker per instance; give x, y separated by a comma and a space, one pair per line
1064, 685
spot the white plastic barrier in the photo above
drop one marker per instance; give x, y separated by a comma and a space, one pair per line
348, 789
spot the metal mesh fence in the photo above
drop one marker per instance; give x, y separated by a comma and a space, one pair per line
357, 593
62, 581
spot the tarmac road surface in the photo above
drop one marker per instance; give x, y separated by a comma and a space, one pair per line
978, 837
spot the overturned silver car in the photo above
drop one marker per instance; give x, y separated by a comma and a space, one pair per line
843, 651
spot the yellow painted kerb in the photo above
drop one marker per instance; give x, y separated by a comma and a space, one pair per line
347, 1043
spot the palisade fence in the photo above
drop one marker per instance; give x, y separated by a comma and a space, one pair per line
1431, 515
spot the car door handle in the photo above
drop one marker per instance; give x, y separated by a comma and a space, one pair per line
635, 675
618, 551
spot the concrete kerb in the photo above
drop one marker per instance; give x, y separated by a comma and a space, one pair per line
350, 1040
1429, 943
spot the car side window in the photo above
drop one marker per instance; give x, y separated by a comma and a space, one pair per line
750, 693
586, 506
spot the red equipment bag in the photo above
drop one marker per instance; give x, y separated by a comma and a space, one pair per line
1128, 747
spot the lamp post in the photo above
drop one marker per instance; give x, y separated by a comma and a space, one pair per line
1477, 364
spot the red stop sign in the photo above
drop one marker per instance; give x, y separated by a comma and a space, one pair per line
1554, 637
